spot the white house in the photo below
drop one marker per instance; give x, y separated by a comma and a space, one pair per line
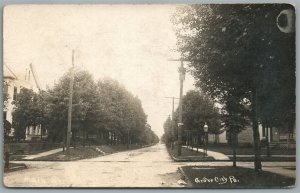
12, 84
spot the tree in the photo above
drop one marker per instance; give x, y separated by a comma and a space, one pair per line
231, 49
123, 112
6, 124
25, 112
104, 109
83, 112
149, 137
7, 130
199, 109
235, 119
168, 131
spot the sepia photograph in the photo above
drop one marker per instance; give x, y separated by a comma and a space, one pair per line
149, 96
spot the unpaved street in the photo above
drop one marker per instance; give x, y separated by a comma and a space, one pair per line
147, 167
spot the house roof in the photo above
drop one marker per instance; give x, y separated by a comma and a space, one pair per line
8, 73
34, 76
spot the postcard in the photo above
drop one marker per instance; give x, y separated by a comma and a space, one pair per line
149, 96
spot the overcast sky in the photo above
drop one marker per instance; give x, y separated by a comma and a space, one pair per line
129, 43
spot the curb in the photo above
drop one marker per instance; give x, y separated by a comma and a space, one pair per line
189, 183
188, 160
178, 160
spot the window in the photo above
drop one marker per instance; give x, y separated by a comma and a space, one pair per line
15, 93
5, 88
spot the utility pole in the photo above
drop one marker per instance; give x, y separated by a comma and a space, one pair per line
69, 132
180, 124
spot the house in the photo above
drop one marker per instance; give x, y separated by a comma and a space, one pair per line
12, 84
217, 138
276, 136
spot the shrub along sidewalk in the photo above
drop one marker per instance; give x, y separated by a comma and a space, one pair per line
230, 177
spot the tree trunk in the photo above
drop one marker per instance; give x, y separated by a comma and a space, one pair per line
203, 142
271, 134
74, 138
188, 141
84, 138
290, 130
257, 150
128, 139
268, 142
193, 141
234, 137
112, 138
288, 140
197, 142
64, 139
41, 132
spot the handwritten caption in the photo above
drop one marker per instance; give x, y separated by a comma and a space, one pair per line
218, 180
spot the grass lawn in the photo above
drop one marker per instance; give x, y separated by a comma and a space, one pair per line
30, 148
73, 154
188, 155
229, 177
86, 152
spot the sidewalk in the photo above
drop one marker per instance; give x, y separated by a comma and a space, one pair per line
213, 154
217, 156
42, 154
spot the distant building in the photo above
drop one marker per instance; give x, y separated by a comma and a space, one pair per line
12, 84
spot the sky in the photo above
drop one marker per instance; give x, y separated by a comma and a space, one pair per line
130, 43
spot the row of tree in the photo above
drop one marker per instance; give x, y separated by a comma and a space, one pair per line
241, 59
103, 112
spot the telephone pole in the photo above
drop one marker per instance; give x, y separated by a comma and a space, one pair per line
69, 132
180, 124
181, 71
